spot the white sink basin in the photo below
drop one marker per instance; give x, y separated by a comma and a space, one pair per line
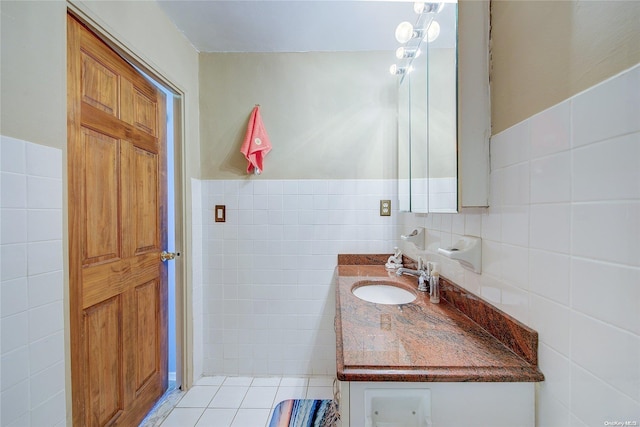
381, 293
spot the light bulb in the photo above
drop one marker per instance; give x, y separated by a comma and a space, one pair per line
433, 32
395, 70
422, 7
403, 52
404, 32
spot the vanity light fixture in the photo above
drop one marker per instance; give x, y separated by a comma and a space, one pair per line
411, 37
422, 7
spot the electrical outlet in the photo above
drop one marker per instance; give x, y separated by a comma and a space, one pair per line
385, 207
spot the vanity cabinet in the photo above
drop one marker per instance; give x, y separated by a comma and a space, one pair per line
461, 362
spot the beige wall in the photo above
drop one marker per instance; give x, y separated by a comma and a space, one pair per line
33, 77
543, 52
328, 115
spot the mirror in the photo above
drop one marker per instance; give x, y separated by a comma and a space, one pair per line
427, 118
404, 145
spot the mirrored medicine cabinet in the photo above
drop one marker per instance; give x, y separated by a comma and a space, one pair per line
443, 112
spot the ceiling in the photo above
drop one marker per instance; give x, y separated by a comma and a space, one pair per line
291, 26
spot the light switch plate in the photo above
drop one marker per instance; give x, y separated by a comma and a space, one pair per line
219, 213
385, 207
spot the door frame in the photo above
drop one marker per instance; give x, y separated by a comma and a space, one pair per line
184, 325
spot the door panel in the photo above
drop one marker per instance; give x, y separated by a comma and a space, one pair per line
140, 198
104, 393
101, 202
146, 201
99, 85
144, 113
117, 229
147, 300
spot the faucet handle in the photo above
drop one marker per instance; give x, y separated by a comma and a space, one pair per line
430, 267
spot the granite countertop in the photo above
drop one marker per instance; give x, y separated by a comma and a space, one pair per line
421, 341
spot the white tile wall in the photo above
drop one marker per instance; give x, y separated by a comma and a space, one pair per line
268, 294
197, 268
31, 288
561, 248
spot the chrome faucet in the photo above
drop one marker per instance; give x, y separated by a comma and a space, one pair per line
422, 273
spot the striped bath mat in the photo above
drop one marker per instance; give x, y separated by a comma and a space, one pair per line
305, 413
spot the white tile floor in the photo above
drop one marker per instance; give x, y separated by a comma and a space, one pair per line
242, 401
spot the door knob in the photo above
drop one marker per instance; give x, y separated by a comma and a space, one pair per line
166, 256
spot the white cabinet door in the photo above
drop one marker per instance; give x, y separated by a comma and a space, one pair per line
451, 404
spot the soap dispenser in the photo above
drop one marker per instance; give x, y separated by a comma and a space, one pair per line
467, 251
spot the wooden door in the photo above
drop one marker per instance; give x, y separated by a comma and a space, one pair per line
117, 229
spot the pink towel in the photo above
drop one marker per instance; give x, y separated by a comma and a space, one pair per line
256, 143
